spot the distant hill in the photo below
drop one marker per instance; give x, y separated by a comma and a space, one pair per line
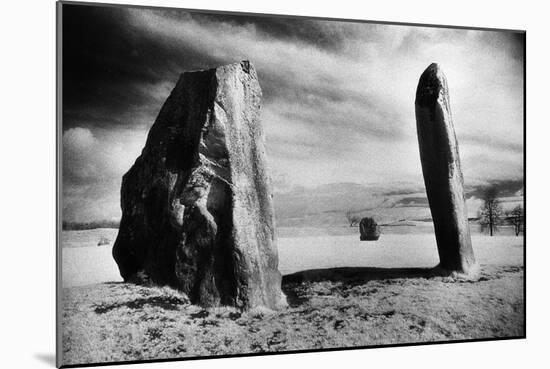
78, 226
327, 205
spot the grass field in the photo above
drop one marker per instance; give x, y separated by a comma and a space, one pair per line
341, 293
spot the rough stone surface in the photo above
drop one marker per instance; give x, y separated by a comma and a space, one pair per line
197, 210
369, 230
442, 173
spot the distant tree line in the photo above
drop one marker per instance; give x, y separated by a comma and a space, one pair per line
353, 219
492, 215
517, 218
78, 226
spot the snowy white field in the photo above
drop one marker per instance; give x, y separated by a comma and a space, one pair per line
378, 303
83, 262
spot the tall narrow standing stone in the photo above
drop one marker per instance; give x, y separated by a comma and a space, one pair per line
197, 209
442, 172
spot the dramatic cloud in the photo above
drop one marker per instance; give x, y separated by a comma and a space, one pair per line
338, 96
92, 171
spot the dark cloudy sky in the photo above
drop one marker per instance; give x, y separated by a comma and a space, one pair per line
338, 97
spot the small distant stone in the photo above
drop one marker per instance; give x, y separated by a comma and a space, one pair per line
103, 241
369, 229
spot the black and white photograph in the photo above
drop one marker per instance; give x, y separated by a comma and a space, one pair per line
247, 184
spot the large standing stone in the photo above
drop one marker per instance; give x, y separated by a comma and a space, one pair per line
197, 209
442, 172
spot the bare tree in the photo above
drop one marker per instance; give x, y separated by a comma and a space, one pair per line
516, 217
491, 211
352, 218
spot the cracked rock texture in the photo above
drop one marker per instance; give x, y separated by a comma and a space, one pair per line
442, 172
197, 210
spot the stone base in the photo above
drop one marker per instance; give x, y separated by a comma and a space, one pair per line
472, 274
369, 238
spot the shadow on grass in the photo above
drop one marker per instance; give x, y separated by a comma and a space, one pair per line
293, 283
356, 275
164, 302
293, 298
